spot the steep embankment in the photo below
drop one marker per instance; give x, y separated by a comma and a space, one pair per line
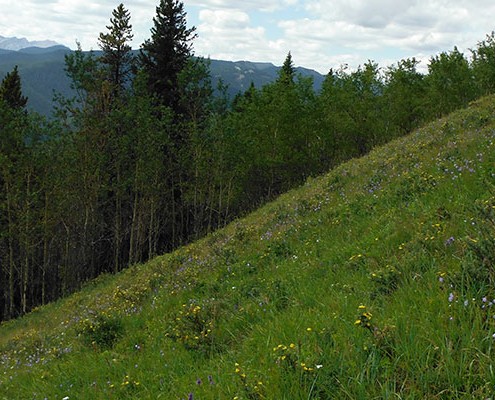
376, 279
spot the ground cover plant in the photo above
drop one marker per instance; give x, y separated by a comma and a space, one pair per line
373, 281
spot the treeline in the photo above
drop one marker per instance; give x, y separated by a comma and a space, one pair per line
146, 157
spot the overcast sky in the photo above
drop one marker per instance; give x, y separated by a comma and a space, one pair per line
321, 34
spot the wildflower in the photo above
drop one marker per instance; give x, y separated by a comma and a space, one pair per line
309, 329
210, 380
466, 302
451, 297
318, 366
198, 381
449, 241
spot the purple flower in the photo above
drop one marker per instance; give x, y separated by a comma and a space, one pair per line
210, 379
449, 241
198, 381
451, 297
190, 397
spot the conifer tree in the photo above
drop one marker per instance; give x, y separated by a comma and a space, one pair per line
288, 71
11, 90
117, 55
166, 54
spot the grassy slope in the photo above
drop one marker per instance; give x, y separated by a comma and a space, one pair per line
267, 308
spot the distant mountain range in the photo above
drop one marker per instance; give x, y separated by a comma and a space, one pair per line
13, 43
41, 67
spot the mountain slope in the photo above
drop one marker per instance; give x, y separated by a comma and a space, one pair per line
373, 281
42, 72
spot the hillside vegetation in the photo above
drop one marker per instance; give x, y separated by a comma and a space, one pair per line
149, 156
373, 281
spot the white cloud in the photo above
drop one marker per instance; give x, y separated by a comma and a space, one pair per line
66, 21
230, 35
357, 30
245, 5
321, 34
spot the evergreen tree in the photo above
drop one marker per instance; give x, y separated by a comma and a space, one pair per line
117, 55
168, 51
11, 90
288, 71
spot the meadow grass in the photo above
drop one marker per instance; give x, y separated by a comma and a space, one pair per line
373, 281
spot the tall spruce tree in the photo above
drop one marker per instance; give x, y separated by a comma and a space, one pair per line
168, 51
11, 90
117, 55
288, 71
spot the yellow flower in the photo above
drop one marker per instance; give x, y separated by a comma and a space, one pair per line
362, 307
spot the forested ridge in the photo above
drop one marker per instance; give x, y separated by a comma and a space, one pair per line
146, 158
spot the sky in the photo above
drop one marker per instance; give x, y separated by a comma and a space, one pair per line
320, 34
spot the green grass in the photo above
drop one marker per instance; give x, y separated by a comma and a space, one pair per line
268, 308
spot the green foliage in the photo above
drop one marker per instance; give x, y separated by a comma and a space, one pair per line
266, 307
102, 332
450, 82
386, 280
193, 327
117, 56
287, 72
405, 94
167, 53
11, 91
478, 269
483, 64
